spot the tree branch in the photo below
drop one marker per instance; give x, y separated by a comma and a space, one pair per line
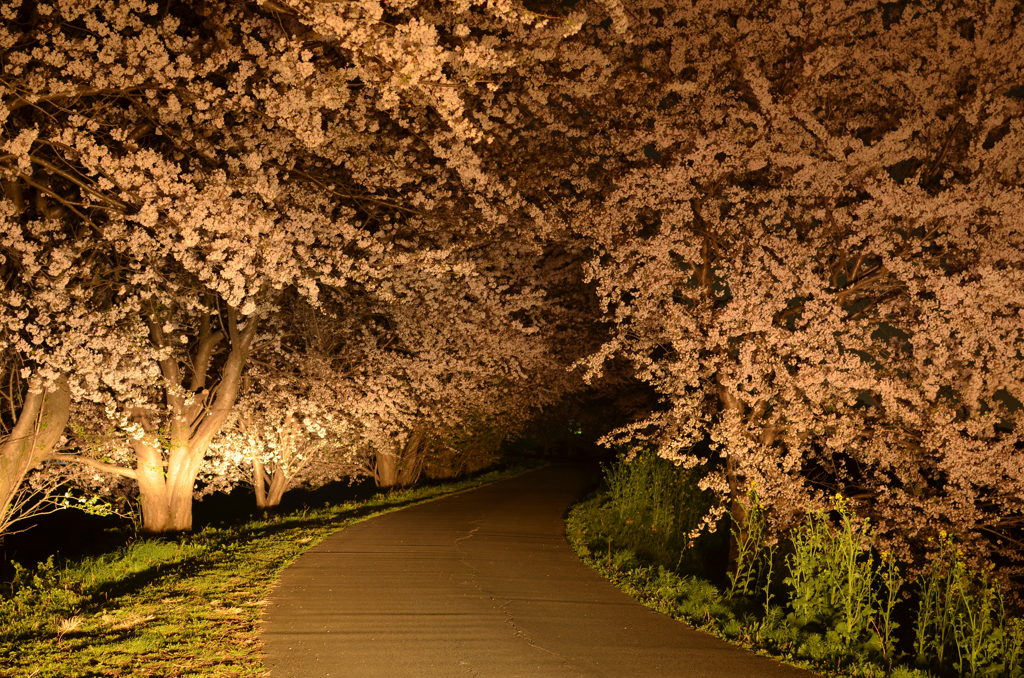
114, 203
208, 341
29, 100
94, 463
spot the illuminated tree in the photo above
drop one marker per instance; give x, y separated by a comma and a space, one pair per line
288, 429
207, 157
56, 318
808, 238
449, 359
188, 227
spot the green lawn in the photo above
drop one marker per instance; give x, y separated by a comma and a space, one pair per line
188, 606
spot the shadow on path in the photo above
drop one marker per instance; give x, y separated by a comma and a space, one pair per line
478, 584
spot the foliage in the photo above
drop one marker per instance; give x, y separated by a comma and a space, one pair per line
962, 618
799, 223
751, 571
842, 595
97, 505
653, 507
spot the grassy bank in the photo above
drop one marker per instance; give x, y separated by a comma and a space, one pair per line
821, 596
183, 606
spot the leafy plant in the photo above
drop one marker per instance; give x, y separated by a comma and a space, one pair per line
752, 570
839, 591
962, 619
654, 505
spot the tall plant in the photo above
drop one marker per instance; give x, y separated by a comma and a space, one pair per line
839, 590
656, 504
754, 555
962, 619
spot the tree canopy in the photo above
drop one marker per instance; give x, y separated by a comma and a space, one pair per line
289, 241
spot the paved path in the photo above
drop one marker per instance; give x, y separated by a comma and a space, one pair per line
481, 584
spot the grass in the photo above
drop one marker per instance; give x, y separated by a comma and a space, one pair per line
183, 606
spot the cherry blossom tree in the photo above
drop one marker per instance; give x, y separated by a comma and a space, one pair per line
57, 320
809, 241
282, 436
288, 428
458, 361
39, 415
193, 234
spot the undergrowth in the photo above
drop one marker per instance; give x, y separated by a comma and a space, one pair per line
183, 606
821, 596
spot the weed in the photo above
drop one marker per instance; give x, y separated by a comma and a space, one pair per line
835, 579
66, 626
653, 506
751, 572
962, 619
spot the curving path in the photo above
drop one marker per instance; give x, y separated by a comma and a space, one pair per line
478, 584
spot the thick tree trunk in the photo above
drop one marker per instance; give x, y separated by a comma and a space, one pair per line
165, 497
278, 487
385, 469
166, 512
167, 476
41, 422
414, 455
259, 483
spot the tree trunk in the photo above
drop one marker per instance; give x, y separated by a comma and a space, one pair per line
166, 497
259, 483
738, 490
402, 467
270, 485
737, 512
166, 481
41, 422
278, 486
165, 508
385, 469
414, 454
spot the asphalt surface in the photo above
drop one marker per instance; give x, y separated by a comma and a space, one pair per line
480, 584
